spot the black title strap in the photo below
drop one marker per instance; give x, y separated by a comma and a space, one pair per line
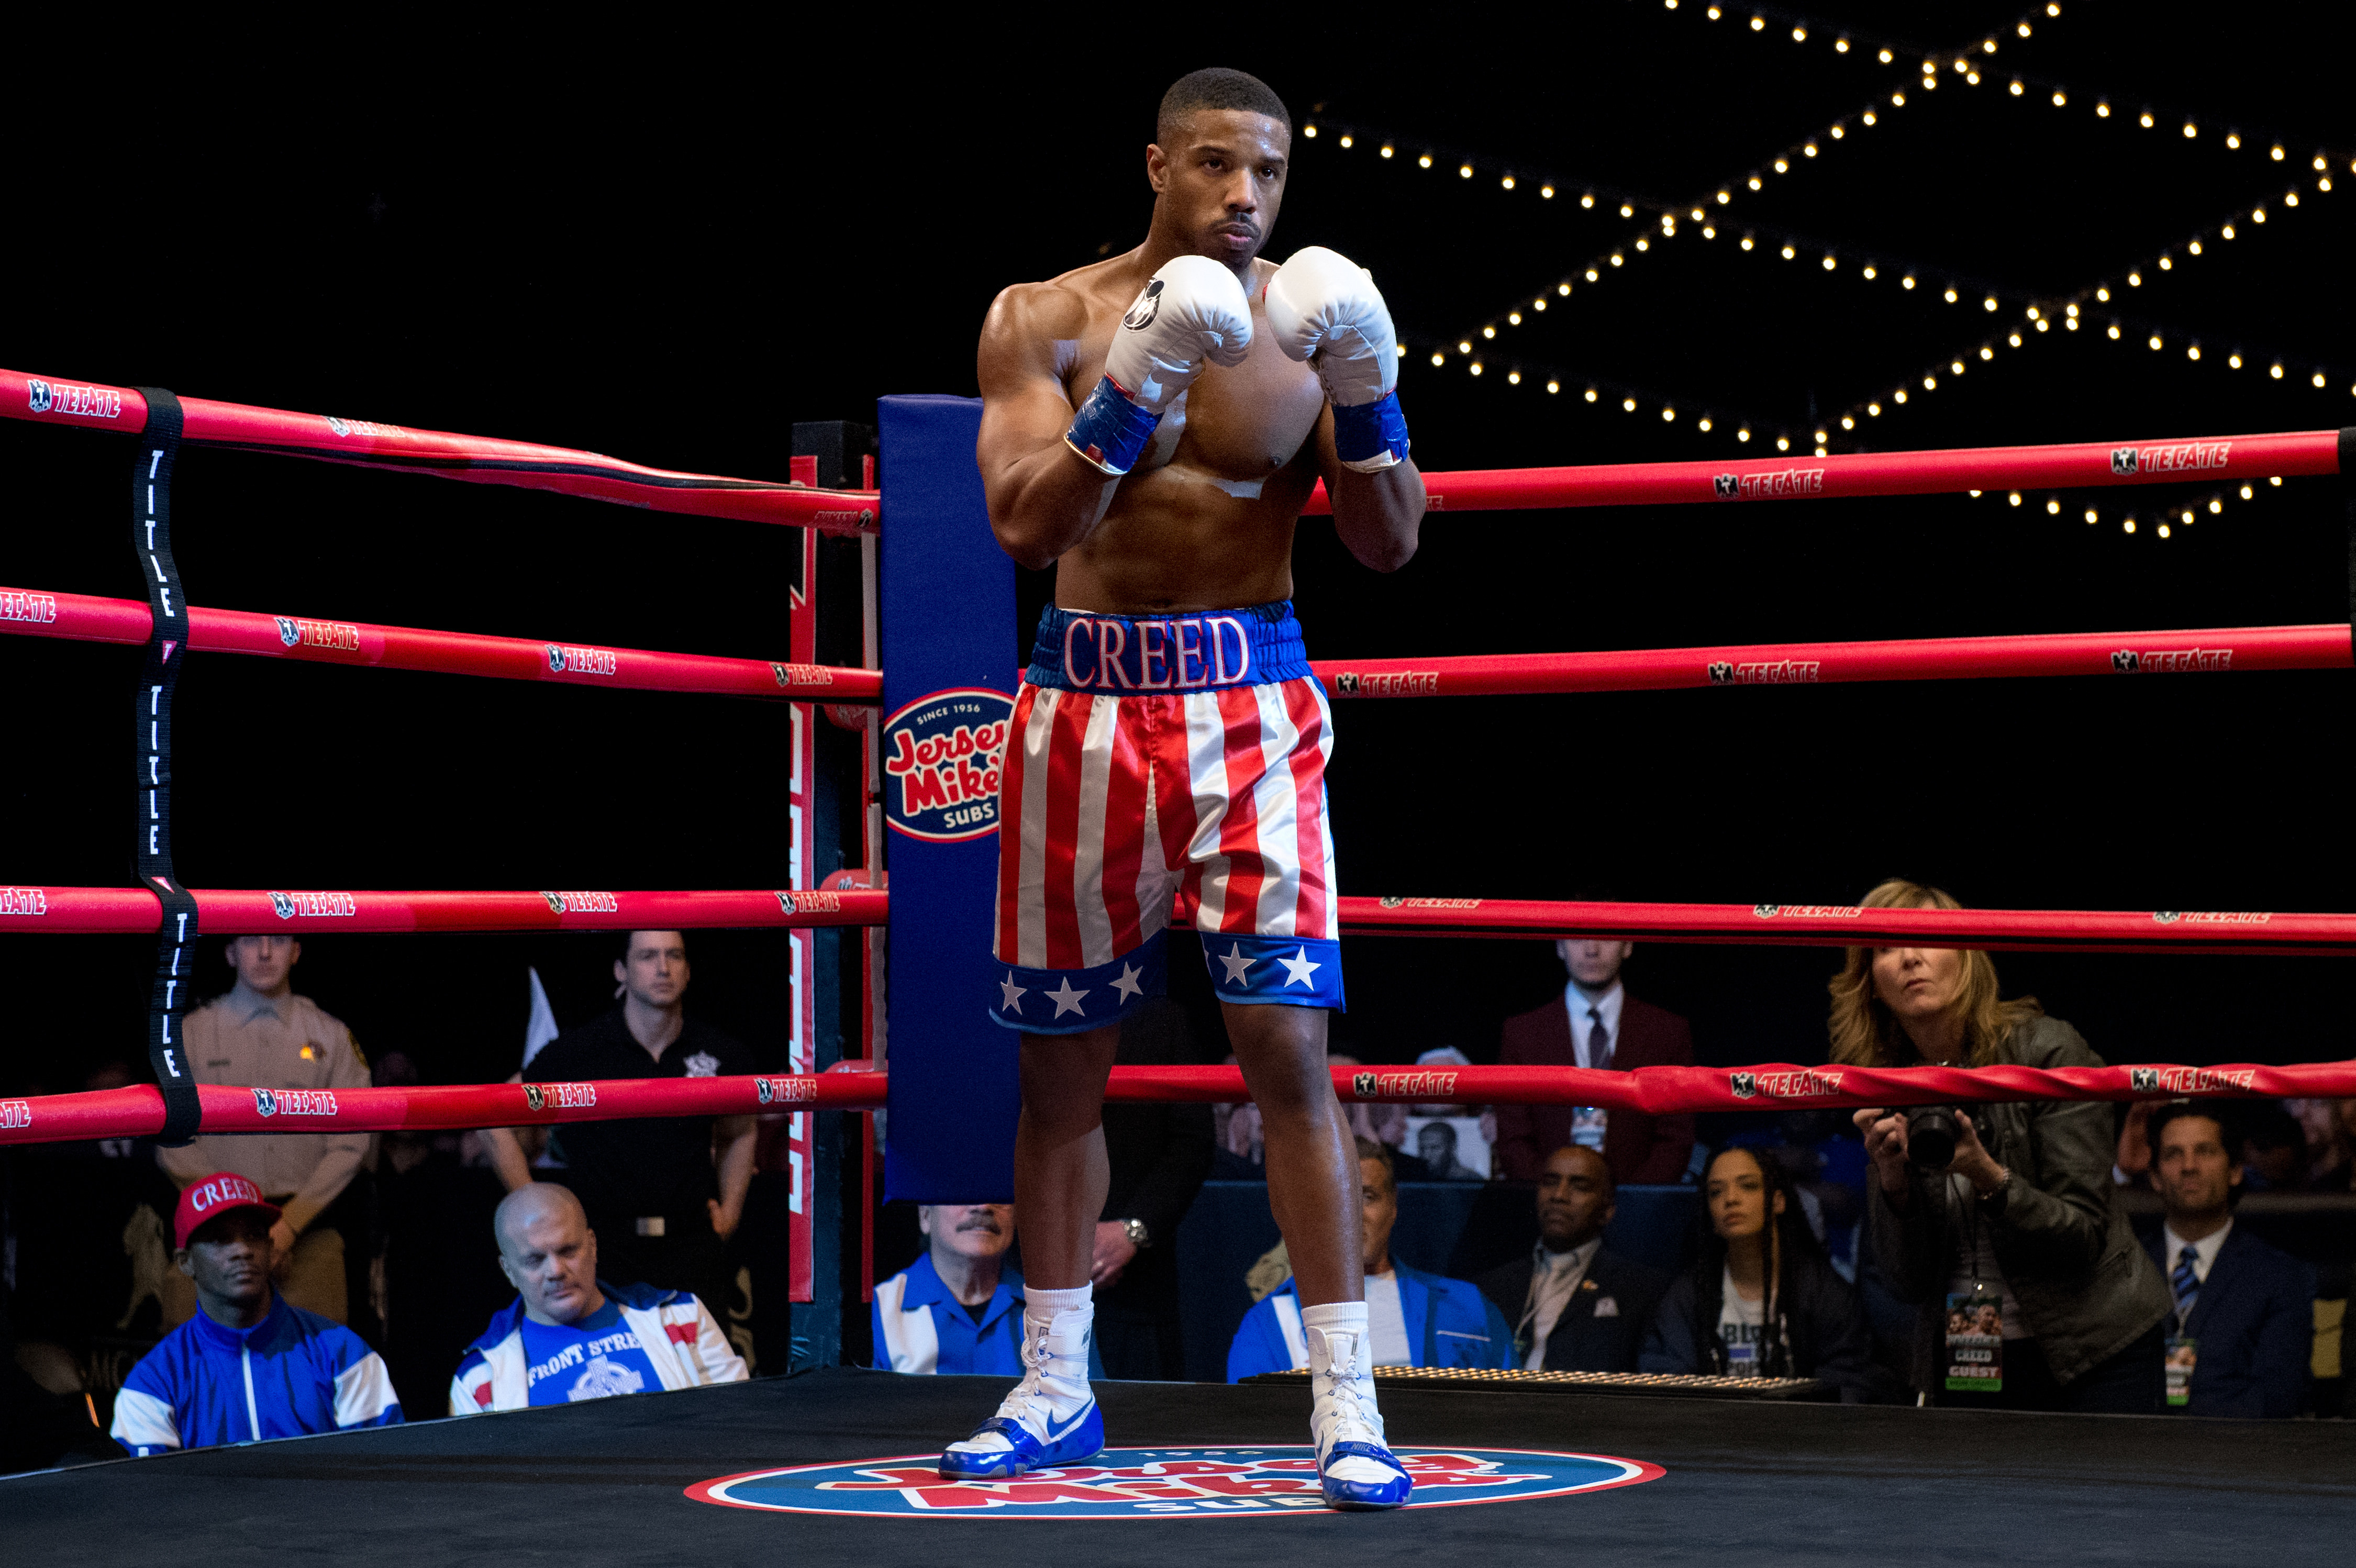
168, 646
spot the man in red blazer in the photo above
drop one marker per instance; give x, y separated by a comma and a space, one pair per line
1596, 1024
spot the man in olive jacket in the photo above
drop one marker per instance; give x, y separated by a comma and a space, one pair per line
2030, 1188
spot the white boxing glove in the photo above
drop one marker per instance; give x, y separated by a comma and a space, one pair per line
1323, 308
1192, 313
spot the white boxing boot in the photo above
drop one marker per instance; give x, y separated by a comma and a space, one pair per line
1356, 1470
1051, 1418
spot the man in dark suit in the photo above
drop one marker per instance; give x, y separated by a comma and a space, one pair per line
2243, 1327
1595, 1024
1574, 1306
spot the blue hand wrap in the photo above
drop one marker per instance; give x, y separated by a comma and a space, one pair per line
1111, 432
1365, 433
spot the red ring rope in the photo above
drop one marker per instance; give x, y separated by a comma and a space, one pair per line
481, 460
474, 458
2244, 648
81, 617
2205, 460
1841, 925
68, 910
222, 912
139, 1111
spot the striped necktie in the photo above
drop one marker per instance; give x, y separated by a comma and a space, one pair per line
2187, 1285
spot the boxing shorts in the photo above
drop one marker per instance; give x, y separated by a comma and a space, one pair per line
1157, 766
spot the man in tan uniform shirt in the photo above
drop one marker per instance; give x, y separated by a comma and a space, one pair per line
262, 1035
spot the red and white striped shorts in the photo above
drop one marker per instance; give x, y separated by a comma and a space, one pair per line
1122, 807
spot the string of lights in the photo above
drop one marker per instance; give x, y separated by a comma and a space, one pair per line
2094, 309
1604, 391
2088, 307
1965, 62
2166, 517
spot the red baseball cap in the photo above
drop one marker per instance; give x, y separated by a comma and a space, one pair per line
212, 1198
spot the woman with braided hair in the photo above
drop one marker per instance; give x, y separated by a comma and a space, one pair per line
1760, 1301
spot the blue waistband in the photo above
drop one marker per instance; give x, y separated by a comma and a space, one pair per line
1079, 650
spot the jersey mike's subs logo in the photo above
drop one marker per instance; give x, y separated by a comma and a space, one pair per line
944, 758
1233, 1481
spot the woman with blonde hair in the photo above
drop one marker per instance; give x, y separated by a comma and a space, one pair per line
2024, 1217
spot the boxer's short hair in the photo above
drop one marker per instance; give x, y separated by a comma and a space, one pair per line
1216, 87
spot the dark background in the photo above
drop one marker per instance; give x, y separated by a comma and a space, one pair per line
670, 244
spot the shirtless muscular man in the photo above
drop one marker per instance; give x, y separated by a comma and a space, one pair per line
1153, 425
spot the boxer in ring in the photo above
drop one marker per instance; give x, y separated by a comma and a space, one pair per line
1151, 426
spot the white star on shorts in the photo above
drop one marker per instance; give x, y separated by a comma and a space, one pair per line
1127, 985
1298, 968
1237, 964
1014, 993
1065, 999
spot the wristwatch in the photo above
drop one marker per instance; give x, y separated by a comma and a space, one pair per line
1138, 1235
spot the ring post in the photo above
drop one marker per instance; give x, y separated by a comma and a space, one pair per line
948, 595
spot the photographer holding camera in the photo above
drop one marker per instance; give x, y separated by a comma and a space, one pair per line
2001, 1223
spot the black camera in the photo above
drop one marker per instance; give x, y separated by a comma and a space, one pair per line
1931, 1137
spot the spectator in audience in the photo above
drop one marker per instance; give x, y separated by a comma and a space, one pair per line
2276, 1145
1158, 1156
262, 1035
250, 1364
1242, 1153
1596, 1024
1435, 1146
1413, 1319
1761, 1301
569, 1335
2026, 1209
958, 1307
1824, 1159
2335, 1151
1576, 1308
2243, 1323
664, 1192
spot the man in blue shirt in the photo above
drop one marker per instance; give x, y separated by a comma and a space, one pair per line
1413, 1319
957, 1308
247, 1366
570, 1336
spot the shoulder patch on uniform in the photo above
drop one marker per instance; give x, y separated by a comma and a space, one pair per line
358, 1055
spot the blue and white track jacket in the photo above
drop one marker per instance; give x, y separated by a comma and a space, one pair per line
292, 1374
